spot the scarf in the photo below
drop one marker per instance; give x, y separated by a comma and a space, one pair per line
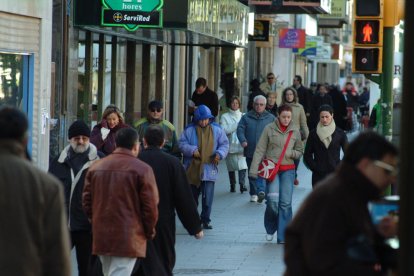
325, 132
205, 147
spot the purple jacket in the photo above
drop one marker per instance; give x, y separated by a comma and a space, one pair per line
188, 143
109, 145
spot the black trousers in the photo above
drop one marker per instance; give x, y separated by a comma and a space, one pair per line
82, 241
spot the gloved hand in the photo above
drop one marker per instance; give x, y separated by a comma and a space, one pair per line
216, 159
196, 154
104, 131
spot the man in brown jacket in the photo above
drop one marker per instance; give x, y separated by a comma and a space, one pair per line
34, 236
121, 198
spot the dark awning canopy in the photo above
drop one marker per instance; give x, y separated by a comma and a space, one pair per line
208, 23
289, 6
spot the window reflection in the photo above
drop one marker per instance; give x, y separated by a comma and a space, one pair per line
11, 80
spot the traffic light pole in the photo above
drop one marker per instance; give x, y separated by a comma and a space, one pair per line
386, 83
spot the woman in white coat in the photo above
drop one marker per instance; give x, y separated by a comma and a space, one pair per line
235, 160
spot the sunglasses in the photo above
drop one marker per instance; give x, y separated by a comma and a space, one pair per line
389, 169
155, 110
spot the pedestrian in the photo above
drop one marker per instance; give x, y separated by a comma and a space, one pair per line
155, 117
70, 168
339, 107
278, 192
254, 91
334, 220
352, 96
203, 144
249, 130
103, 134
175, 196
270, 85
323, 148
32, 215
271, 105
203, 95
235, 160
120, 198
304, 95
321, 97
290, 97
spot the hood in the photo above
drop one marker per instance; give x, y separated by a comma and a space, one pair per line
202, 112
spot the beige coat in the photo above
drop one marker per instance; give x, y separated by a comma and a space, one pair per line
299, 119
271, 145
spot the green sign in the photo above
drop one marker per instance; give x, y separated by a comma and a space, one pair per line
132, 14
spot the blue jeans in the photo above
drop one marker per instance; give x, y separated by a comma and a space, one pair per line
206, 189
279, 204
252, 181
260, 185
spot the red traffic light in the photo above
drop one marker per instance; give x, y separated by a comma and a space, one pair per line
368, 32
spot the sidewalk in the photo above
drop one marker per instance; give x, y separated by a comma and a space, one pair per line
236, 245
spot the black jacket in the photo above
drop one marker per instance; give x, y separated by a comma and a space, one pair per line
175, 195
321, 160
208, 98
317, 101
336, 212
61, 168
305, 98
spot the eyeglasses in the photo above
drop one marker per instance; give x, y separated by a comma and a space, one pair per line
155, 109
259, 104
389, 169
270, 78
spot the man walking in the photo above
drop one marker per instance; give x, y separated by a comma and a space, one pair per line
203, 143
70, 168
249, 130
175, 196
304, 95
206, 96
34, 235
333, 226
120, 198
270, 86
154, 117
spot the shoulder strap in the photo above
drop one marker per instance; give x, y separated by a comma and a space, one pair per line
284, 148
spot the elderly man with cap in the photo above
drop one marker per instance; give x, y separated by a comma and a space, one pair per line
155, 117
70, 168
203, 144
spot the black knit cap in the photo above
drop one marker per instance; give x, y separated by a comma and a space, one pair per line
155, 104
77, 128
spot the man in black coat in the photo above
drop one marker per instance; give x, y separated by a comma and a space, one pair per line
206, 96
304, 95
175, 195
333, 232
70, 168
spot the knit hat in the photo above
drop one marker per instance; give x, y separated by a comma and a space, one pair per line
77, 128
155, 104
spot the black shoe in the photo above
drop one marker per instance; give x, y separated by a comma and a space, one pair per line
260, 197
232, 188
207, 225
243, 189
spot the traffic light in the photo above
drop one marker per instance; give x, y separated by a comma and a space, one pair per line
367, 36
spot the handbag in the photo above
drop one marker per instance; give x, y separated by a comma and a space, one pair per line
269, 169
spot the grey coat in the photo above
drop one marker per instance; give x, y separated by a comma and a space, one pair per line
250, 129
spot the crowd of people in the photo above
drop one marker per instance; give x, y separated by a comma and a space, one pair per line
122, 186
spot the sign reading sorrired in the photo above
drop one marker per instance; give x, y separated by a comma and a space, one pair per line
292, 38
132, 14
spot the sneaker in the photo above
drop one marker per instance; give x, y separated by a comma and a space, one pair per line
243, 189
269, 237
207, 225
253, 198
260, 197
296, 182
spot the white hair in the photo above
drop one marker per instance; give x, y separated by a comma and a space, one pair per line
259, 97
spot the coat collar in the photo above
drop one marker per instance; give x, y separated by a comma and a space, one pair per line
12, 147
92, 155
125, 151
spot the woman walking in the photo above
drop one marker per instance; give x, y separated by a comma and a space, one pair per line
323, 148
103, 134
235, 161
279, 191
290, 97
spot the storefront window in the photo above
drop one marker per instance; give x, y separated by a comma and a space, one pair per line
11, 80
